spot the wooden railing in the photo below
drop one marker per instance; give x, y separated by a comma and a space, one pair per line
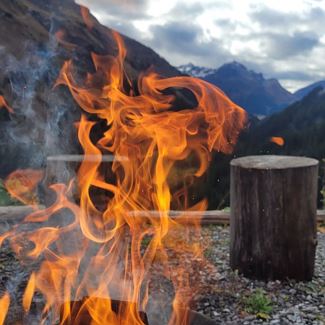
211, 217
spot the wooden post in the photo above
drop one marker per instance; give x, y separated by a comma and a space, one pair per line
273, 217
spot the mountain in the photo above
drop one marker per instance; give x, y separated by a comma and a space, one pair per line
37, 37
196, 71
299, 94
259, 96
301, 125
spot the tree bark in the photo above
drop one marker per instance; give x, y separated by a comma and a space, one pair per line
273, 217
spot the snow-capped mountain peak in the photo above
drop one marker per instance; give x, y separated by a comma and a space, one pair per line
195, 71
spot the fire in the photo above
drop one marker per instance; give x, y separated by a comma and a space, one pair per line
3, 103
85, 13
22, 184
29, 292
93, 253
60, 36
4, 305
278, 140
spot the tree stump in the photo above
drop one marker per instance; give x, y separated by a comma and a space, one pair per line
273, 217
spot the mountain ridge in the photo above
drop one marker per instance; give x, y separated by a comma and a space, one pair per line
247, 88
261, 96
302, 92
301, 125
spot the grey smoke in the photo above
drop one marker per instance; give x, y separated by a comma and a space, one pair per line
35, 130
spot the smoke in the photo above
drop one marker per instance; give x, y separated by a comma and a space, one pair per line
43, 117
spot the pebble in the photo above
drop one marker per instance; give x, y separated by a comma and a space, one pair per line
225, 291
293, 302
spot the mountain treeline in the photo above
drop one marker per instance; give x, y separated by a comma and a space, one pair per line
302, 127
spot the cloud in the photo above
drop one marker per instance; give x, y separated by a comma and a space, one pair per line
186, 40
269, 18
281, 46
275, 39
123, 9
177, 37
294, 75
287, 22
182, 11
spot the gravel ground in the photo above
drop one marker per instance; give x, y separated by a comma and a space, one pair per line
225, 296
292, 302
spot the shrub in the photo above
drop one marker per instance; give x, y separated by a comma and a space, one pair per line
258, 303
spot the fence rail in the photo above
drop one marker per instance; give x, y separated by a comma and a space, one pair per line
211, 217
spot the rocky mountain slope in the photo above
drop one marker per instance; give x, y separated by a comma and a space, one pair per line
301, 125
37, 37
301, 93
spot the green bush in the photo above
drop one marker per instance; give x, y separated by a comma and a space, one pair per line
258, 303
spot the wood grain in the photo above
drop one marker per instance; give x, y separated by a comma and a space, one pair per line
273, 217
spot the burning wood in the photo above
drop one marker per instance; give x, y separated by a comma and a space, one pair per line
80, 312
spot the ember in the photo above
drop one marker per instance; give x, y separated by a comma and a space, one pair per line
278, 140
4, 104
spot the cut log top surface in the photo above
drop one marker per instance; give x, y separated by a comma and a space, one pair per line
273, 162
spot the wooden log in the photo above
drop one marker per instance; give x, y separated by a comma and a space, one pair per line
273, 217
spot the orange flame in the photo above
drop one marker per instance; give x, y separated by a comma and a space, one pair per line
4, 305
60, 36
29, 293
93, 251
22, 184
278, 140
87, 17
3, 103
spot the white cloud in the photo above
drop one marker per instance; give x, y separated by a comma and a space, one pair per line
278, 39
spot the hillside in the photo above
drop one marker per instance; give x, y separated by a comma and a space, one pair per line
301, 93
36, 38
301, 125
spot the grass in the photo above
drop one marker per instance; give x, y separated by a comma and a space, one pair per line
145, 241
259, 304
5, 198
208, 253
320, 318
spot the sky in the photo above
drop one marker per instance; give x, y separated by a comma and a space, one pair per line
283, 39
